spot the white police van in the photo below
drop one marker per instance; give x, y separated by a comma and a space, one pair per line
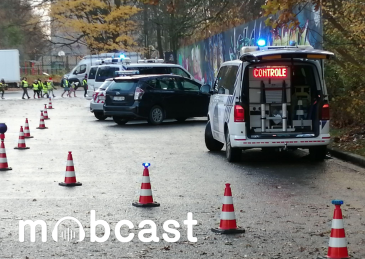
272, 98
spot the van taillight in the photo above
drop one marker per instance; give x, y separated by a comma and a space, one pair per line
325, 112
239, 113
138, 94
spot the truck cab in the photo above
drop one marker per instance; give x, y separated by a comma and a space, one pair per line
271, 98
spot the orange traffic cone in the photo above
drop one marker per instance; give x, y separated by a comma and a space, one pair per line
70, 176
228, 223
337, 247
26, 130
3, 160
45, 113
50, 104
21, 142
145, 198
41, 122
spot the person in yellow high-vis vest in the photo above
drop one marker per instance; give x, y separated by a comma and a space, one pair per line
2, 87
45, 89
50, 87
35, 88
25, 87
40, 87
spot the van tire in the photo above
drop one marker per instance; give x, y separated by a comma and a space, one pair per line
156, 115
318, 153
120, 120
100, 116
211, 144
232, 154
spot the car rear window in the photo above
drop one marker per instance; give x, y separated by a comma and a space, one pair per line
123, 85
92, 72
105, 73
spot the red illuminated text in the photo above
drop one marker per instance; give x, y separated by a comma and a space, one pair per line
270, 72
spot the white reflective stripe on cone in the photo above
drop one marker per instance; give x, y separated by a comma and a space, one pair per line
69, 163
145, 179
146, 192
3, 160
21, 141
228, 215
337, 242
70, 174
337, 223
227, 200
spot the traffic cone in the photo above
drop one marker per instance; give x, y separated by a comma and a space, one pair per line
50, 103
41, 122
337, 247
145, 198
3, 160
26, 130
70, 176
21, 142
45, 113
228, 223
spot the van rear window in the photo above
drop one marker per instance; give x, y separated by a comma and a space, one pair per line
92, 72
105, 73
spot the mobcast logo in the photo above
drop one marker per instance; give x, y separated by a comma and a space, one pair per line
69, 234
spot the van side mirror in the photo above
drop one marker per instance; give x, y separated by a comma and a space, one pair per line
205, 89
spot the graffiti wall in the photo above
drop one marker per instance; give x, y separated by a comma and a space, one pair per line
204, 58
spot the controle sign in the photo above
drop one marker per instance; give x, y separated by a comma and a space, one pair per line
280, 72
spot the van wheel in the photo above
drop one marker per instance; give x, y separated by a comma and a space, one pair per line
318, 153
100, 116
120, 120
156, 115
210, 142
232, 154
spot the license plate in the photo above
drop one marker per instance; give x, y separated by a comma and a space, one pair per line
119, 98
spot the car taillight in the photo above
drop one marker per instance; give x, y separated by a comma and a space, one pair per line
325, 112
239, 113
138, 94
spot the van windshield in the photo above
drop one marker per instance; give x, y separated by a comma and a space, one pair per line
105, 73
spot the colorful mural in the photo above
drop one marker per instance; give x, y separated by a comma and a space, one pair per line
204, 58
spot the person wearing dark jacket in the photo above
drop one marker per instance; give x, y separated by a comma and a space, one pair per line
2, 88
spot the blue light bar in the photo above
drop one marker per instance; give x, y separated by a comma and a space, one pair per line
337, 202
261, 42
122, 56
146, 164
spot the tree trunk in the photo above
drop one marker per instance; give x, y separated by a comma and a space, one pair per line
159, 41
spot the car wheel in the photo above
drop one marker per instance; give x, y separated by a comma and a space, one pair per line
181, 119
120, 120
100, 116
156, 115
232, 154
210, 142
318, 153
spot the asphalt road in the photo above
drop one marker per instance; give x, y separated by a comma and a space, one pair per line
282, 200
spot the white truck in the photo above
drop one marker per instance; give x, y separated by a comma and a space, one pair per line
10, 66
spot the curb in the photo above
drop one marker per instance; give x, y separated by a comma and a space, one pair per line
349, 157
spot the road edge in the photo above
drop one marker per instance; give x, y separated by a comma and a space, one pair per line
347, 156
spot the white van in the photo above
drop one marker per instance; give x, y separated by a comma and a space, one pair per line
78, 73
272, 98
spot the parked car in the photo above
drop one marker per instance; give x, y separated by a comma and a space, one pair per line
98, 99
155, 98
